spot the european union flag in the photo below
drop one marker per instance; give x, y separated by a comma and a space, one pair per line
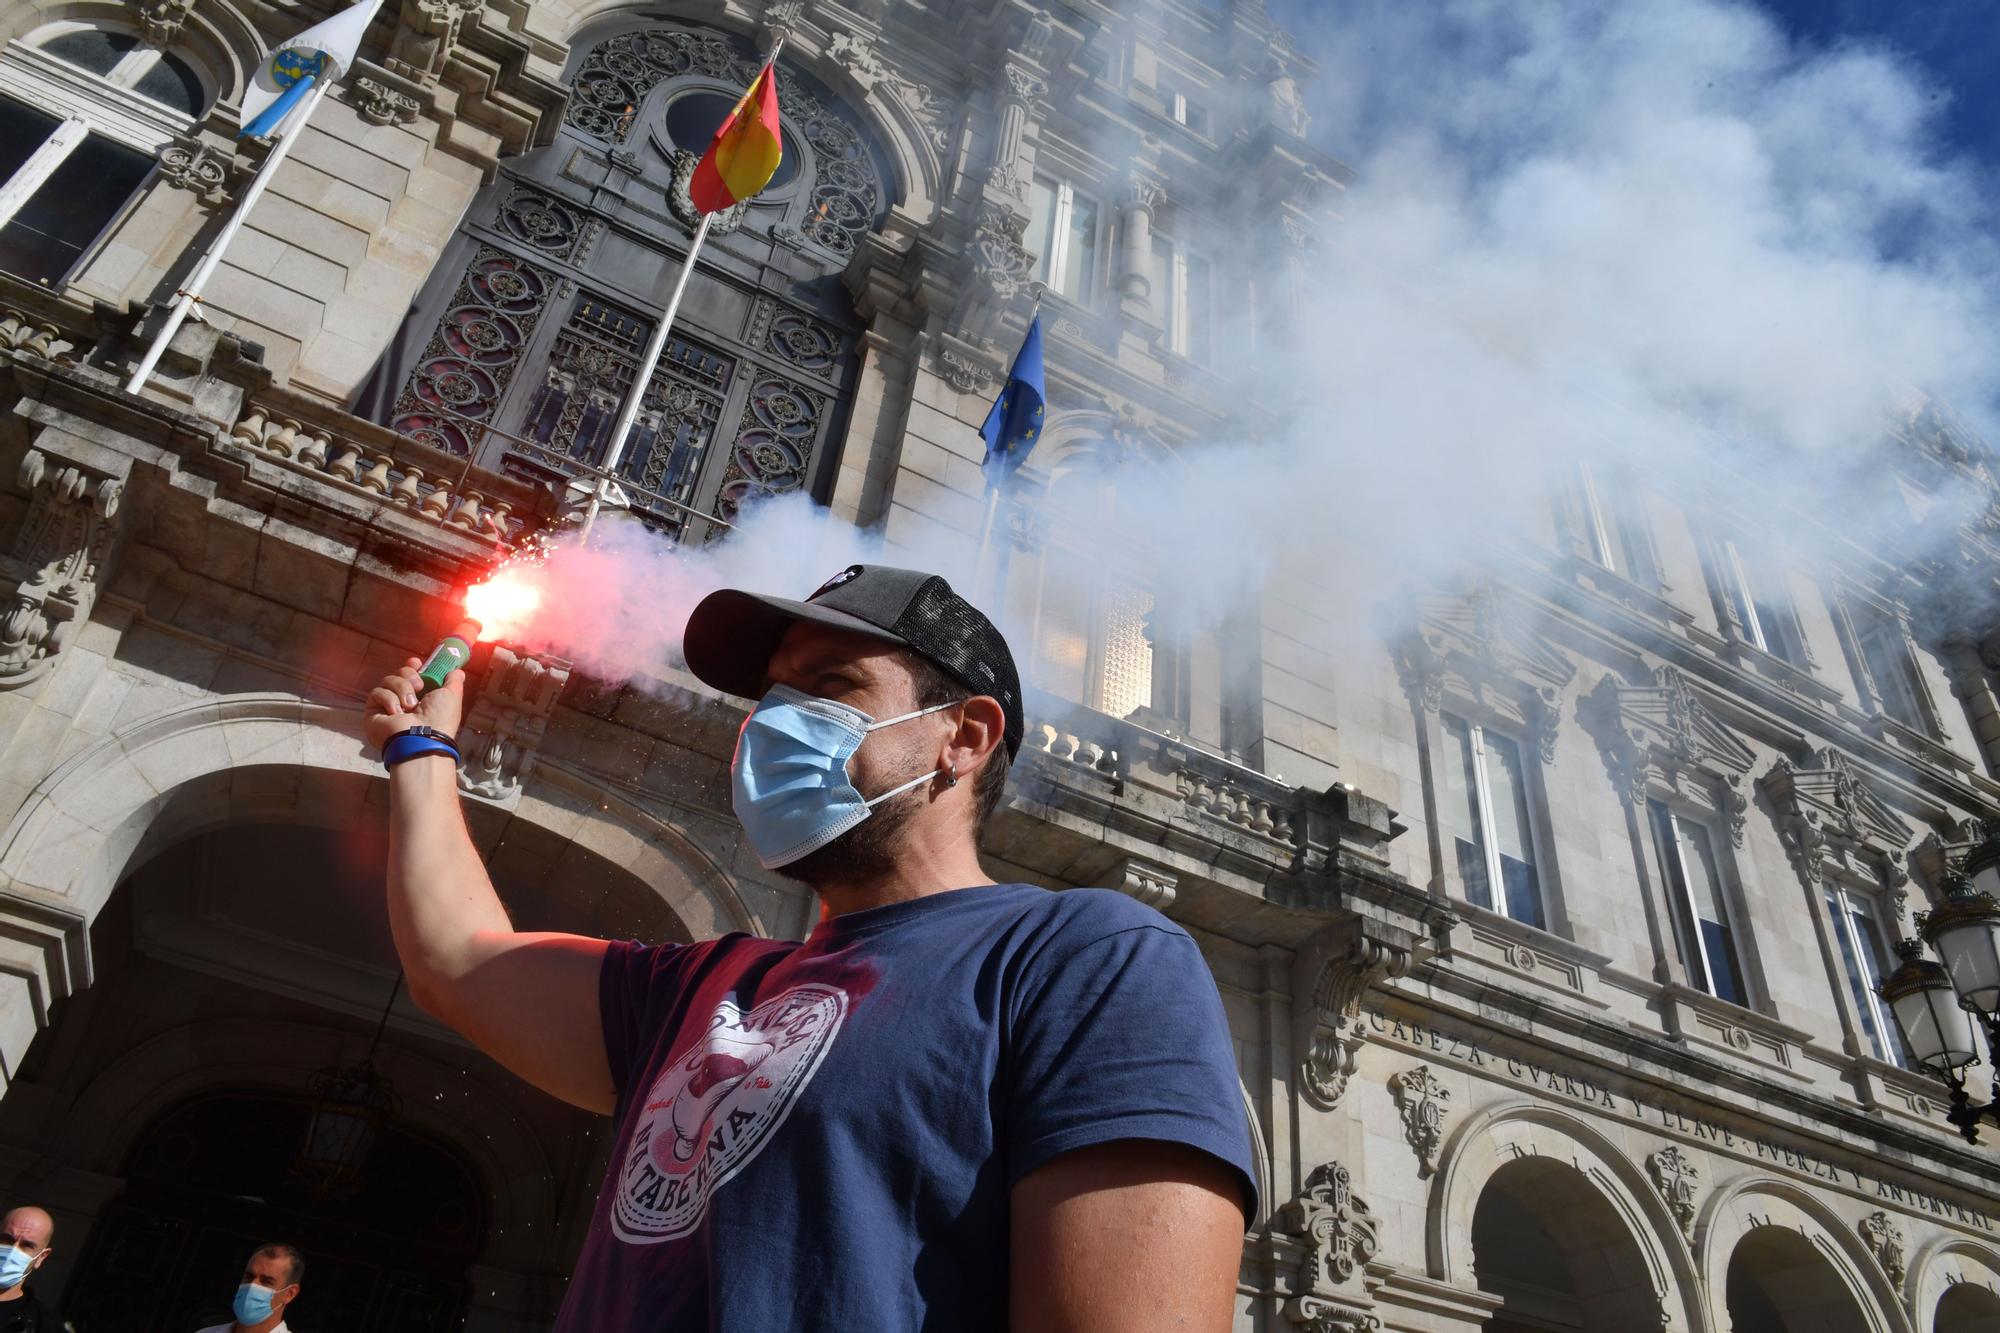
1015, 422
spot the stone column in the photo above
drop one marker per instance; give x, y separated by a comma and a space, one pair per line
1021, 88
1135, 258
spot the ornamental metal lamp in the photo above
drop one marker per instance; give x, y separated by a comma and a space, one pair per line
350, 1105
1935, 1005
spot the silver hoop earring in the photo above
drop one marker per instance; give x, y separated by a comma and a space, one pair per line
951, 775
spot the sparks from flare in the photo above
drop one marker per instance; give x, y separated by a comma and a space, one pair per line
505, 601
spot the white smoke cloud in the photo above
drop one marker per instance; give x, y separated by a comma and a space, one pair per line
1638, 231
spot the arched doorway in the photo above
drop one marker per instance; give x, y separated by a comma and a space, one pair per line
214, 1177
526, 340
1967, 1308
235, 964
1779, 1282
1547, 1242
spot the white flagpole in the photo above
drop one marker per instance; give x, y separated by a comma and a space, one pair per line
657, 345
213, 260
648, 363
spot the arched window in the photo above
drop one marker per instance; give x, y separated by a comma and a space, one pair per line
84, 111
525, 343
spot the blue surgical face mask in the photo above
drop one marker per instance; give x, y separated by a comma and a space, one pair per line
791, 789
14, 1266
252, 1304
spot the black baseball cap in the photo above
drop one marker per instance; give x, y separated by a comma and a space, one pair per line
732, 634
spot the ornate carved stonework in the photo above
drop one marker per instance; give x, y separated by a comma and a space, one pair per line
503, 728
63, 546
1886, 1241
1150, 883
856, 54
193, 165
1339, 1230
161, 22
1662, 733
1677, 1179
681, 199
1483, 647
379, 104
1328, 1295
1423, 1101
1833, 821
1001, 262
965, 373
426, 33
1330, 1029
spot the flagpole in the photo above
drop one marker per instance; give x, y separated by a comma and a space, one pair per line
649, 362
993, 489
191, 293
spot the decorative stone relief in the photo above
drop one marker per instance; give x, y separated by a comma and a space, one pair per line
1001, 262
965, 373
504, 727
62, 549
680, 198
1485, 647
161, 22
1150, 883
379, 104
1677, 1179
1886, 1241
426, 33
1833, 821
1423, 1101
1663, 733
202, 168
856, 54
1330, 1029
1341, 1238
1287, 105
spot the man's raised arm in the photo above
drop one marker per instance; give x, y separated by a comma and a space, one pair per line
527, 999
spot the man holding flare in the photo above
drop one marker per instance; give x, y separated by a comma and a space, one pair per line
955, 1105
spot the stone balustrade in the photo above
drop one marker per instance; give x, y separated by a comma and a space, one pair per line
364, 458
22, 332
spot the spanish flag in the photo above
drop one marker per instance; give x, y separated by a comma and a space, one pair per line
745, 152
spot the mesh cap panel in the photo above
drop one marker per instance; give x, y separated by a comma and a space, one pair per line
943, 627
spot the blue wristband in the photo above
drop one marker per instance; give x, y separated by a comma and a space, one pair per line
404, 746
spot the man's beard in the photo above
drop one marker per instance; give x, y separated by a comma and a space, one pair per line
866, 852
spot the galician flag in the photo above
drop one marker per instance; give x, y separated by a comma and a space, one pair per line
319, 54
745, 152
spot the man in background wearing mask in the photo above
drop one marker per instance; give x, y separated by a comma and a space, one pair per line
957, 1105
27, 1232
270, 1283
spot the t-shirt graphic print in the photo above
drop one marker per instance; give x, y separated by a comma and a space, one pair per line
717, 1103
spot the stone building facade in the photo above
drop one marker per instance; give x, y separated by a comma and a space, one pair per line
1546, 957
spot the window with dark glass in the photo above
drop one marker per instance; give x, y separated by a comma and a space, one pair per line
1486, 790
87, 190
1858, 937
65, 179
1698, 902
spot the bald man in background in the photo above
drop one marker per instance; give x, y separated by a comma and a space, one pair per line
26, 1232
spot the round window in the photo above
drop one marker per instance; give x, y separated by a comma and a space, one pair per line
693, 119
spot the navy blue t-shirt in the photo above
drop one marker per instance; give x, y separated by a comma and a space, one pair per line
822, 1135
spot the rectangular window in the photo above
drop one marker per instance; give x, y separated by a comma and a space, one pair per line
50, 231
1699, 903
1885, 651
1063, 235
1184, 110
1094, 641
1181, 286
1763, 609
1860, 939
1612, 528
1487, 794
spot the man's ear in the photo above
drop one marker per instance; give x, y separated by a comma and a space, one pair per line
982, 729
47, 1250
